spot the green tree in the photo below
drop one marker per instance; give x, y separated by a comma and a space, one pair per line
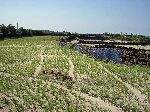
11, 30
4, 30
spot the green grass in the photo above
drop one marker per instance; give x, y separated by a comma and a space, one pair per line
22, 91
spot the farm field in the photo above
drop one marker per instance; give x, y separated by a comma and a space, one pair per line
37, 74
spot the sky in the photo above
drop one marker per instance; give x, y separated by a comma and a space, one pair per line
82, 16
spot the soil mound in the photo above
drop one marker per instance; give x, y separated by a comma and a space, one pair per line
58, 75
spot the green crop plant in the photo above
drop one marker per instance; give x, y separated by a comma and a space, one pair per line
22, 90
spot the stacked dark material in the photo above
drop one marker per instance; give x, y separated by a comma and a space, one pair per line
63, 42
112, 43
136, 56
125, 55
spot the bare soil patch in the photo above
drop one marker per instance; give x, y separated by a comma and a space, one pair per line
58, 75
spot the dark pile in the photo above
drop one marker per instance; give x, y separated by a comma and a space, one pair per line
58, 75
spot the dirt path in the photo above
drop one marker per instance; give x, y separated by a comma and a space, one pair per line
15, 46
94, 100
12, 46
9, 100
10, 97
7, 74
100, 102
71, 68
141, 97
39, 66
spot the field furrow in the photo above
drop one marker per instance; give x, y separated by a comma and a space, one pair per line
37, 74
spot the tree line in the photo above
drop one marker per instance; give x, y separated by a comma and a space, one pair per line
10, 31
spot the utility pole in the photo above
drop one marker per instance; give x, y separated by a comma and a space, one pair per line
17, 25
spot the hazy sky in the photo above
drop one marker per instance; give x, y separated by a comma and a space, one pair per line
82, 16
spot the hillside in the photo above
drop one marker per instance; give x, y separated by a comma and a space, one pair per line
36, 74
